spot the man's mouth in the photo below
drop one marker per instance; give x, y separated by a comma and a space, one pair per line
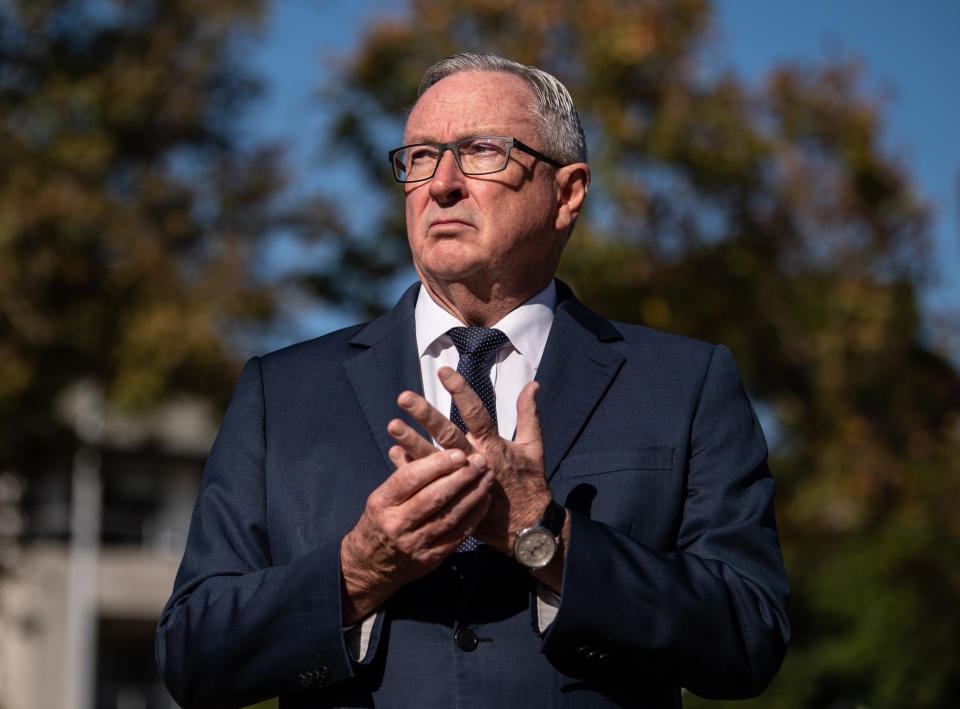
448, 224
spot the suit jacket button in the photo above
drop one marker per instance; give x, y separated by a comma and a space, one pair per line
592, 656
466, 639
316, 678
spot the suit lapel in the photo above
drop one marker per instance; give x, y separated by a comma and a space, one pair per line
577, 368
386, 364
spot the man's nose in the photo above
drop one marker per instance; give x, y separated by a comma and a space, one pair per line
448, 180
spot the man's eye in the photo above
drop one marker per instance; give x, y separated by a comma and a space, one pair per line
482, 148
421, 155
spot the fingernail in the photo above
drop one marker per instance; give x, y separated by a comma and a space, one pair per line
457, 457
479, 462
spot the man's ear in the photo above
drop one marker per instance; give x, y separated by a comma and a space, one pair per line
573, 181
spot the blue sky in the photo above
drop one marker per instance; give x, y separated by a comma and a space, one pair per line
910, 53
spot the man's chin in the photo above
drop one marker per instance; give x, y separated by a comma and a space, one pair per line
450, 265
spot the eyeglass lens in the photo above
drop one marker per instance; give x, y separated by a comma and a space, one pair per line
476, 156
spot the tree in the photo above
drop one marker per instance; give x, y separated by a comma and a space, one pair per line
769, 219
131, 216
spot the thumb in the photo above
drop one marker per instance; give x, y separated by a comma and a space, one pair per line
528, 419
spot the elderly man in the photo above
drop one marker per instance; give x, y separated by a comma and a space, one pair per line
490, 496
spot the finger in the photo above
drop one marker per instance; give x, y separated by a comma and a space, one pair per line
412, 443
411, 477
474, 414
445, 433
477, 513
398, 456
528, 418
472, 522
442, 504
463, 515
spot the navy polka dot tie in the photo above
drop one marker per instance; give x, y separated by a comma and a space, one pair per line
478, 348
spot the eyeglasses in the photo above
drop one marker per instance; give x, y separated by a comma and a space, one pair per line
482, 155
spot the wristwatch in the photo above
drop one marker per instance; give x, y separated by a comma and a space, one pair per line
534, 547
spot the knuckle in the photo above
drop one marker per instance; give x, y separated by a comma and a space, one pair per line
391, 528
474, 408
374, 504
448, 436
428, 557
438, 499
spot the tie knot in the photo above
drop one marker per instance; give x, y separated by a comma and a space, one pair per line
477, 341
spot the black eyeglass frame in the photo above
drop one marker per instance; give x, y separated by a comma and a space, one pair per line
444, 147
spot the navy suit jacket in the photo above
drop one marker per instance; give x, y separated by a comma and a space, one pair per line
673, 575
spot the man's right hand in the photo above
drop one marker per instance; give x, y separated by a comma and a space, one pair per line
410, 524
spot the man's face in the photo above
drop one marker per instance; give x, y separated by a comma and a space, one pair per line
491, 231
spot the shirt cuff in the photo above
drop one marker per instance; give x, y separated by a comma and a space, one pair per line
548, 603
358, 637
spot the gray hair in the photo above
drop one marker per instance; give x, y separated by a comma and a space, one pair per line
557, 120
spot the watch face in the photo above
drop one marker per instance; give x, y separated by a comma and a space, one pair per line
535, 547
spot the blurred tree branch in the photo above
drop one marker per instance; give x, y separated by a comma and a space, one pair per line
134, 217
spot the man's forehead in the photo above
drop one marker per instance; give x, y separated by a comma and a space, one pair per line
471, 103
467, 129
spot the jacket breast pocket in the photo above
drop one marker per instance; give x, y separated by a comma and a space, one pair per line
588, 464
636, 490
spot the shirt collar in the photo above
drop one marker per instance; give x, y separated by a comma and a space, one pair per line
527, 326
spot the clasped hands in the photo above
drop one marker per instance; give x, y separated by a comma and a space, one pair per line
476, 484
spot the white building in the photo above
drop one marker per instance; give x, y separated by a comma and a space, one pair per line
102, 538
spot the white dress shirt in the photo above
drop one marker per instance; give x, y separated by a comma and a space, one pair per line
515, 366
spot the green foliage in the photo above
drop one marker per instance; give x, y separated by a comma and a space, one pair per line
770, 219
130, 220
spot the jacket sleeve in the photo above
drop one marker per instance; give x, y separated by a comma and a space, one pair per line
238, 629
709, 614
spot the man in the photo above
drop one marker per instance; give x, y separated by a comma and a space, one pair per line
587, 523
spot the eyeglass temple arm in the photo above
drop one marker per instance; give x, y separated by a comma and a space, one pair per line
536, 153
